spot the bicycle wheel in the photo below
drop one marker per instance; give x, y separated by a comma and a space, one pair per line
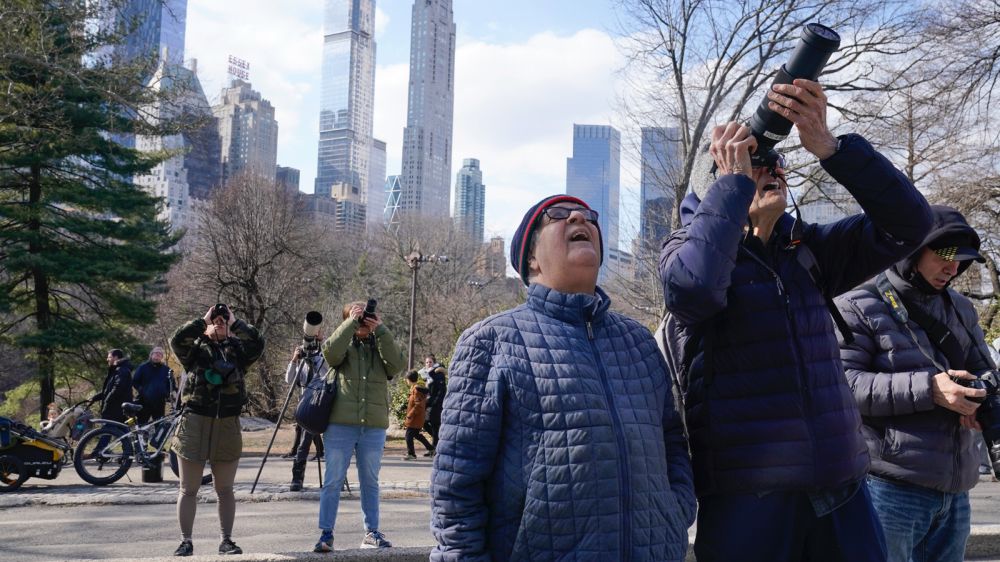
12, 473
101, 458
174, 467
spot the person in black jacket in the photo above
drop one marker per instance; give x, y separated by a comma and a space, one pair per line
117, 386
435, 374
152, 382
919, 423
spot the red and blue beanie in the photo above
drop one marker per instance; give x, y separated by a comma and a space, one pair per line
519, 247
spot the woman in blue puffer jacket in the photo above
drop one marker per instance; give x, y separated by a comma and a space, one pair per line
559, 436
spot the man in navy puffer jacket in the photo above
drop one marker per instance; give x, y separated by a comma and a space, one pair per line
775, 434
559, 438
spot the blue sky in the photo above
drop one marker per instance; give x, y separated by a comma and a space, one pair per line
526, 70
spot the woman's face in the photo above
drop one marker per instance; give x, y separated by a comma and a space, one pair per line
219, 330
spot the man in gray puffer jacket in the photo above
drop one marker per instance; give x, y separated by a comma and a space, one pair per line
902, 366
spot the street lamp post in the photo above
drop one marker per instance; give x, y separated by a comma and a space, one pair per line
413, 260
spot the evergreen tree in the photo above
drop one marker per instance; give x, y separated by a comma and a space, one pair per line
78, 239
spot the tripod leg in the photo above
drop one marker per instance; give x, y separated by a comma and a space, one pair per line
273, 435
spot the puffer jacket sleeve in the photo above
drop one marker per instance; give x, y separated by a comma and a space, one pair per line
878, 393
678, 459
697, 262
253, 342
335, 346
895, 221
183, 340
388, 350
471, 423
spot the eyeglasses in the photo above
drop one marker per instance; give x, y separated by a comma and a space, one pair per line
563, 213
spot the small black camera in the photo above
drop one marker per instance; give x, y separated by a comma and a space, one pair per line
988, 413
370, 308
220, 310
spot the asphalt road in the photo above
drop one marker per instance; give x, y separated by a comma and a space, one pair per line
37, 533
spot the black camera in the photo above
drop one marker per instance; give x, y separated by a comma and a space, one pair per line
811, 54
370, 308
220, 310
988, 413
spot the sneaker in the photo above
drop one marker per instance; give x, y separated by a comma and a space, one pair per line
984, 470
185, 549
429, 453
325, 543
227, 546
410, 458
288, 455
375, 539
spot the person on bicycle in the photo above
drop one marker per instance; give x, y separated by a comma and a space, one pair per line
216, 350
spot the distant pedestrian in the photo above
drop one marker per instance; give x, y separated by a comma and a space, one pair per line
415, 413
117, 386
152, 382
435, 375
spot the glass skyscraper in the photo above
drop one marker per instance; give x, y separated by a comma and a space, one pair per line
153, 25
661, 169
593, 173
470, 199
426, 176
347, 93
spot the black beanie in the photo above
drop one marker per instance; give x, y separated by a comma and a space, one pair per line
519, 245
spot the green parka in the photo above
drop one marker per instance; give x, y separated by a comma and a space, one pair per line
362, 370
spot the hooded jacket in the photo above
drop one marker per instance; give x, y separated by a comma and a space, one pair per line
116, 390
909, 437
416, 406
438, 389
767, 405
559, 440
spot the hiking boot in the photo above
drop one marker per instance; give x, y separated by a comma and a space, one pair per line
227, 546
325, 542
375, 539
410, 458
185, 549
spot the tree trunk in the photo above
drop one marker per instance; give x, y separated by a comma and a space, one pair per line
43, 315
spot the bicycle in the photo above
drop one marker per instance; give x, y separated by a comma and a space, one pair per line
114, 446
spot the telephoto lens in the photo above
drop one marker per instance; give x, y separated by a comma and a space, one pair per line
811, 54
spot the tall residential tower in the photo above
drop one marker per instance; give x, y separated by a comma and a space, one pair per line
427, 144
347, 95
248, 131
661, 168
593, 173
470, 199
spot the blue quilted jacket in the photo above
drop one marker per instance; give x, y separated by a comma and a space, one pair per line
559, 440
768, 407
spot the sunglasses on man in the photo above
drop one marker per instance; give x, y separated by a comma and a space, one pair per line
563, 213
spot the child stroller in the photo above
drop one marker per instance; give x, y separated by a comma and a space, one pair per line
26, 452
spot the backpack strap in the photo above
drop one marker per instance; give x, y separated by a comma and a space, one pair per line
807, 260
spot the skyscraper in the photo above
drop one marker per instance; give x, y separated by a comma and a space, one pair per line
427, 137
393, 190
347, 92
153, 26
194, 173
287, 177
248, 131
376, 194
661, 168
470, 199
593, 172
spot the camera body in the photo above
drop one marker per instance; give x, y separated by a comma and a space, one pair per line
220, 310
988, 413
370, 308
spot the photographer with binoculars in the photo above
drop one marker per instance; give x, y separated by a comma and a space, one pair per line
914, 362
778, 457
216, 351
307, 363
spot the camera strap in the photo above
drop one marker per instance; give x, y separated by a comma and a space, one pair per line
936, 330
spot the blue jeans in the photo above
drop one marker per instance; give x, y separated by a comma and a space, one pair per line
340, 442
920, 524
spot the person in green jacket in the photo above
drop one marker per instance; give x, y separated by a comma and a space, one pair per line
363, 358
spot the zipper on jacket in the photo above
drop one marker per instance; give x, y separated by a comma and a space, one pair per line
623, 481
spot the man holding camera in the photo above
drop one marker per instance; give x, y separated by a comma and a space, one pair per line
778, 457
915, 341
307, 363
